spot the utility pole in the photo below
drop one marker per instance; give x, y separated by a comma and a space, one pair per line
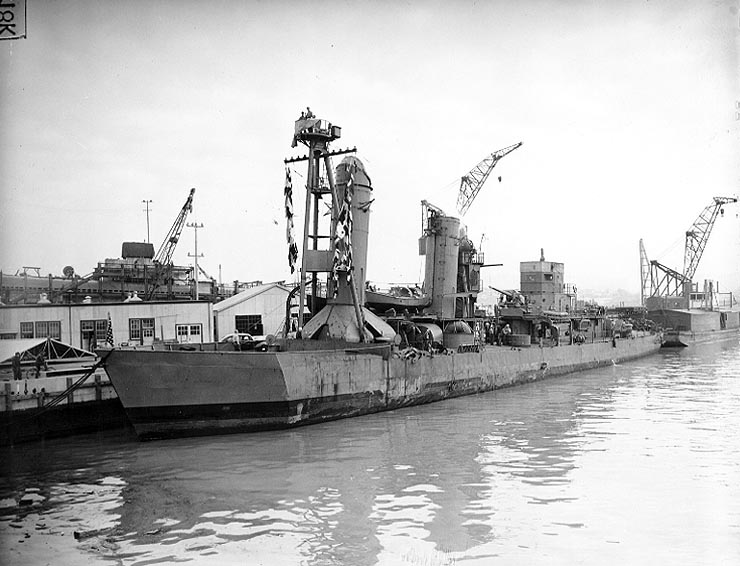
195, 226
147, 201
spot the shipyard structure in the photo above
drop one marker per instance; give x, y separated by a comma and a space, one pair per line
140, 273
185, 356
690, 312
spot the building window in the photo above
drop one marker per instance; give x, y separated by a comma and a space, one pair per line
250, 323
548, 276
189, 332
134, 329
54, 329
42, 329
98, 328
141, 329
92, 333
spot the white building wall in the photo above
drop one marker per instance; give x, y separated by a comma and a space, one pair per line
270, 304
166, 315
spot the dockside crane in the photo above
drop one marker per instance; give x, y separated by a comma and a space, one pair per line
163, 258
658, 280
698, 234
471, 184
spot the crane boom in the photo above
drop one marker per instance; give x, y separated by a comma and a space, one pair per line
167, 249
698, 235
163, 258
472, 183
645, 279
203, 271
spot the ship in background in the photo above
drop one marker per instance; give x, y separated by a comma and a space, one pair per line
139, 274
347, 359
688, 313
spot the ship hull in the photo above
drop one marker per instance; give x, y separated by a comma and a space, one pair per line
685, 338
64, 420
691, 327
186, 393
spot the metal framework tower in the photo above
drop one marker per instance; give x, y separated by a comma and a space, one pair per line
316, 135
344, 317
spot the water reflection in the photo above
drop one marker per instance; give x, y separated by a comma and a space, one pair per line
587, 462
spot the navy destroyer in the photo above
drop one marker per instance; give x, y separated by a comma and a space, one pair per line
348, 359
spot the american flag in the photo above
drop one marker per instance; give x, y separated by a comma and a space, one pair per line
109, 332
292, 246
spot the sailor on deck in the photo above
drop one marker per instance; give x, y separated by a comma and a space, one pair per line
506, 332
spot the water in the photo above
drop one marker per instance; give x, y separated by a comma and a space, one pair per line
632, 464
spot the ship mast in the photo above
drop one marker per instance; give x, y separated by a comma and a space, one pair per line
344, 316
315, 134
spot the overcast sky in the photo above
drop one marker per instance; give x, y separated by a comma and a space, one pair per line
627, 111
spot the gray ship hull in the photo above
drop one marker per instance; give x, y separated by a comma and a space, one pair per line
689, 327
684, 338
187, 393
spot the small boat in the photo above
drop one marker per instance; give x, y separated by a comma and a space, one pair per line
400, 298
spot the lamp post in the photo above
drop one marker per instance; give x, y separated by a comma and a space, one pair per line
147, 218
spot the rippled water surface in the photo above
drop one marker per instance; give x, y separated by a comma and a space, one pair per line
632, 464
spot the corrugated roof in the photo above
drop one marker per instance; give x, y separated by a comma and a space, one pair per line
247, 294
